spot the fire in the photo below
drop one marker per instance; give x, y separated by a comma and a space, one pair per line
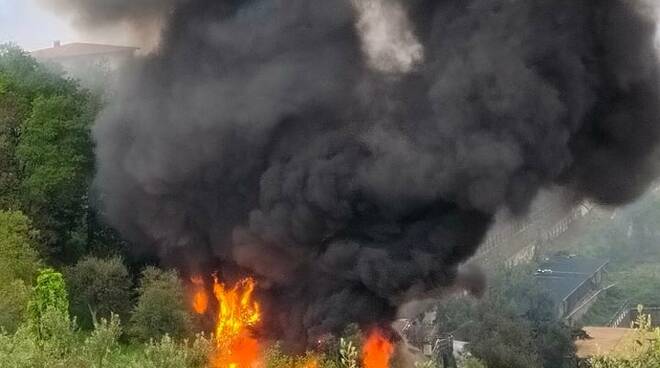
311, 363
377, 350
200, 298
237, 313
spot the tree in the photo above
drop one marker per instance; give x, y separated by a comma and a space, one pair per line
161, 308
46, 152
49, 298
513, 325
99, 288
18, 255
55, 154
13, 301
22, 79
503, 341
19, 264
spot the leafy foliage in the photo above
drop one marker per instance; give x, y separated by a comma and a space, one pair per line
103, 342
46, 152
63, 347
18, 255
19, 264
99, 288
513, 325
49, 297
348, 354
55, 154
161, 308
13, 302
471, 363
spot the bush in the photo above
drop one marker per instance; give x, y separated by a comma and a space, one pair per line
161, 308
471, 363
164, 354
48, 297
13, 302
19, 264
98, 288
18, 254
103, 343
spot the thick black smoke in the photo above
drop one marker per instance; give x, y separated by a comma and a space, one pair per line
266, 135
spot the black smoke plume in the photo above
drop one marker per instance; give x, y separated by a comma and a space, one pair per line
284, 138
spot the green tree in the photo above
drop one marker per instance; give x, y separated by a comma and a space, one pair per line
161, 307
19, 264
55, 154
46, 152
14, 297
22, 79
513, 325
48, 296
98, 288
12, 107
18, 255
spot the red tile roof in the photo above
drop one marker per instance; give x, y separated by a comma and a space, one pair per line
79, 49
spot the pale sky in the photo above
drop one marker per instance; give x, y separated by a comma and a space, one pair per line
29, 26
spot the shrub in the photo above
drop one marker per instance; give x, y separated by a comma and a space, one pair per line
161, 308
98, 288
18, 254
48, 297
164, 354
13, 301
103, 342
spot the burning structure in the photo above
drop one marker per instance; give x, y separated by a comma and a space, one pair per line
350, 154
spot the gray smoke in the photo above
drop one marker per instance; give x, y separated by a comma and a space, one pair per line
94, 13
263, 137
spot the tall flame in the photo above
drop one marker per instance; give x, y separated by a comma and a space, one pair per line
237, 312
377, 350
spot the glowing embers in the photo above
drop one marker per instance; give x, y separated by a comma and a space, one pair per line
200, 302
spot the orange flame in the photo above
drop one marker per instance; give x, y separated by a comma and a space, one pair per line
237, 313
311, 363
200, 298
377, 351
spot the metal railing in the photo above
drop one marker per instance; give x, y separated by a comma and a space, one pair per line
620, 315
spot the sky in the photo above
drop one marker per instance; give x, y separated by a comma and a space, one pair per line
26, 24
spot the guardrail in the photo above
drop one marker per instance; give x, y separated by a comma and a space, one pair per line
620, 315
